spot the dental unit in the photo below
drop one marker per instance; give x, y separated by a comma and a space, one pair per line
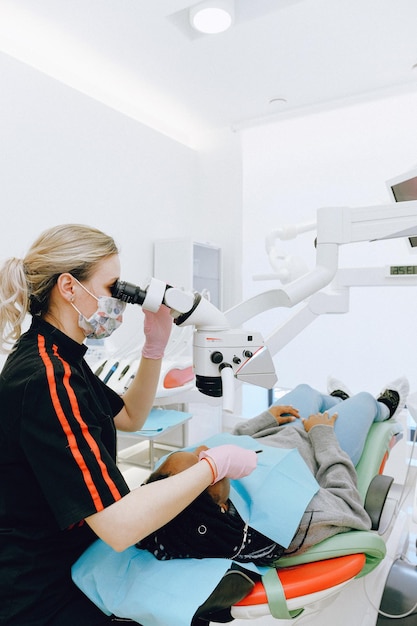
223, 354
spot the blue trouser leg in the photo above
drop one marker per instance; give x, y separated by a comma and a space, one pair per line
355, 415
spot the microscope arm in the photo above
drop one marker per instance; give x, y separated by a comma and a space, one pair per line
335, 226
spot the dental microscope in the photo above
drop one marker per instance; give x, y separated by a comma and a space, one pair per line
220, 353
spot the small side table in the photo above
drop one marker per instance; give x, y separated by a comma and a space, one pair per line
158, 423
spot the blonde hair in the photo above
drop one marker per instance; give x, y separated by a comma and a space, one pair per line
26, 284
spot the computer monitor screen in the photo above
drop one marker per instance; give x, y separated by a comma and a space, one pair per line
405, 190
402, 189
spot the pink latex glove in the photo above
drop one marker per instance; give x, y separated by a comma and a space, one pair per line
229, 461
157, 328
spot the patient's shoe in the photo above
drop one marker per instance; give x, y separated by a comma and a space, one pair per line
337, 389
395, 395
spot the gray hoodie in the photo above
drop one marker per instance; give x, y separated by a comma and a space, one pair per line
337, 507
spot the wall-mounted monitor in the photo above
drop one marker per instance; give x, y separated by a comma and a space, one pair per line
401, 189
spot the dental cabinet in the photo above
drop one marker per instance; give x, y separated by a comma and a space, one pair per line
190, 265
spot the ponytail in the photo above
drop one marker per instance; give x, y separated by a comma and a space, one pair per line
14, 302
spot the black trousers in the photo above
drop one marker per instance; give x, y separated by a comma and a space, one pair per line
80, 611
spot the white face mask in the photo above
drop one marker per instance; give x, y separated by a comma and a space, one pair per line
105, 320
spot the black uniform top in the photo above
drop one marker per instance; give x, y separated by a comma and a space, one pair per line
57, 466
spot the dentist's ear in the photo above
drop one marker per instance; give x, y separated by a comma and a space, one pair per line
65, 286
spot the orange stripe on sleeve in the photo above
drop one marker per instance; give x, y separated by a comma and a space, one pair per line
72, 441
85, 431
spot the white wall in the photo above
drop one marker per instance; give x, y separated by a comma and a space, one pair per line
337, 158
67, 158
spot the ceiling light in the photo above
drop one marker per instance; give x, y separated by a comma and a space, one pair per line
212, 16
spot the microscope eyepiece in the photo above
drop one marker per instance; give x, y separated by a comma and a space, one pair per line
127, 292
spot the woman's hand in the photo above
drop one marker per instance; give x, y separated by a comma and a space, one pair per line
284, 414
157, 328
319, 419
229, 461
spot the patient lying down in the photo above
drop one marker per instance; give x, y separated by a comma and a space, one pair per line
211, 525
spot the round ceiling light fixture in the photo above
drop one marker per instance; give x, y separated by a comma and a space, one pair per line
213, 16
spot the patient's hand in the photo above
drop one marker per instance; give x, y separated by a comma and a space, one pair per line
319, 418
284, 414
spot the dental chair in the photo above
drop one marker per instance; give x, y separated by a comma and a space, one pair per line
302, 585
135, 585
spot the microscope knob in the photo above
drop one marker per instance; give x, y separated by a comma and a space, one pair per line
216, 357
248, 354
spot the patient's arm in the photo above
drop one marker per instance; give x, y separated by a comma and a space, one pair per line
336, 473
337, 506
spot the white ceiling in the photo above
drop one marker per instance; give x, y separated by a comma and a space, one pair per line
142, 57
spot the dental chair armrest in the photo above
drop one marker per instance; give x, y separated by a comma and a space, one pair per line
376, 496
351, 542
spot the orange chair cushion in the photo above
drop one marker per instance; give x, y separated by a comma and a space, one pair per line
308, 578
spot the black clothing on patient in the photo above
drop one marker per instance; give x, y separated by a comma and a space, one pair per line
204, 530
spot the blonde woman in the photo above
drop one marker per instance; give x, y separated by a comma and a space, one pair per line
59, 484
